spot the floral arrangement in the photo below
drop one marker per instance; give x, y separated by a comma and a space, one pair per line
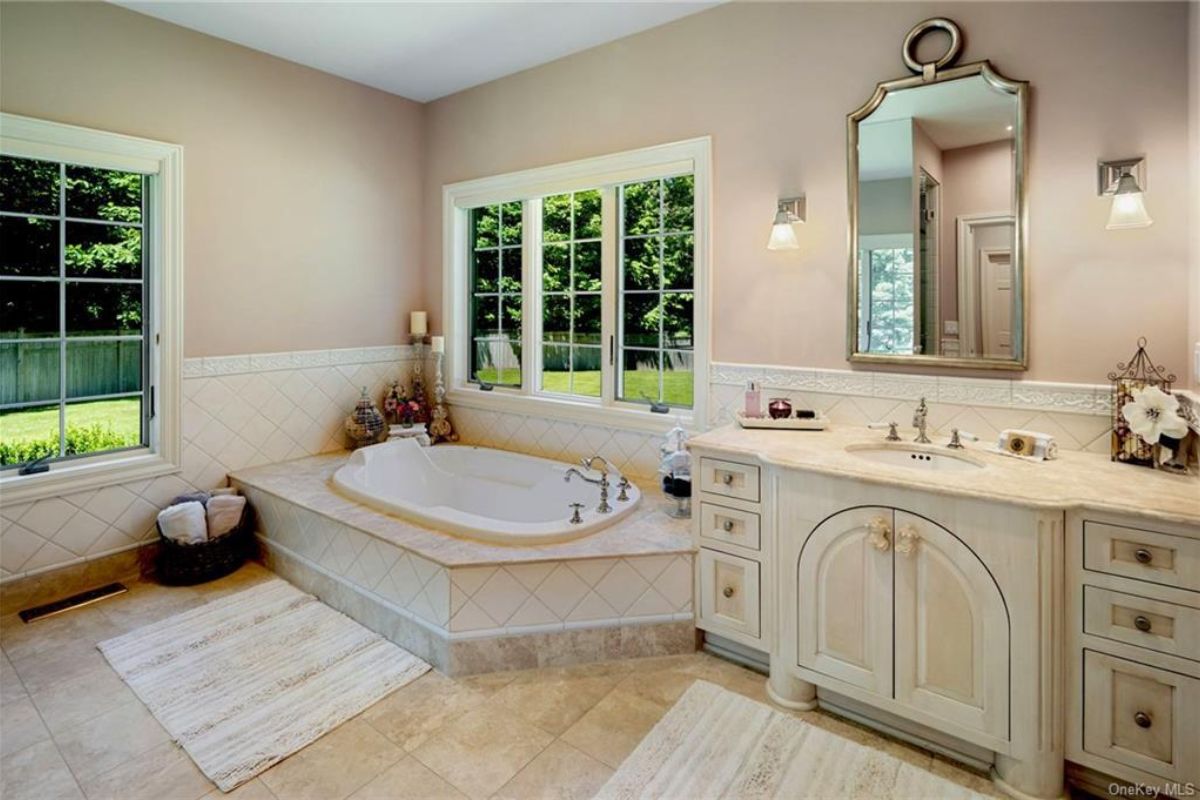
400, 409
1154, 416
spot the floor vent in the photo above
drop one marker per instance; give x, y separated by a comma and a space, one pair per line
74, 601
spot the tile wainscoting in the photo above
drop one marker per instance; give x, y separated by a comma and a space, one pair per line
245, 410
238, 411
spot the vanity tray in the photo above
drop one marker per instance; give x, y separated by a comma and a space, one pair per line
817, 423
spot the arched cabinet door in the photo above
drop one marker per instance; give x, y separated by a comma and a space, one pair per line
844, 599
952, 629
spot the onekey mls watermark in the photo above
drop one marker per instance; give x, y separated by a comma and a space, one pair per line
1152, 790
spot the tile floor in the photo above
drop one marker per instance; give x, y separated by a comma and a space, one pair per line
69, 727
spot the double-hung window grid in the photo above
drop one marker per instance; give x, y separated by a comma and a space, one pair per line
571, 330
75, 315
657, 313
496, 293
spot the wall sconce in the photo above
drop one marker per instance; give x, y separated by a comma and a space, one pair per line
790, 211
1123, 181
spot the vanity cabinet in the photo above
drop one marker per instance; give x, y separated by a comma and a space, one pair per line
900, 607
1133, 610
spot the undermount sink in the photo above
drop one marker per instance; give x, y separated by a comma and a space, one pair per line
914, 458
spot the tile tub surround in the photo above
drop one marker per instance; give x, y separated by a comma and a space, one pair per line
238, 411
470, 606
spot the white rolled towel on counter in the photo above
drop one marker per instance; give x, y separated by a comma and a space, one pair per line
184, 523
224, 513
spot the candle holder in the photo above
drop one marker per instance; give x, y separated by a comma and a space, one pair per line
440, 427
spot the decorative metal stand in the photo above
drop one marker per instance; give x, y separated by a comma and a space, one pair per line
440, 427
1138, 373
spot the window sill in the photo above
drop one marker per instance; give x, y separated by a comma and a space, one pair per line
561, 409
82, 475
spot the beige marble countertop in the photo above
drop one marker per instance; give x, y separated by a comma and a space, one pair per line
1072, 481
305, 482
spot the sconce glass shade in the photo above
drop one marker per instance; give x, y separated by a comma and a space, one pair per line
1128, 206
783, 236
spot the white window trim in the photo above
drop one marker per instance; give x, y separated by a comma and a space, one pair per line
691, 156
35, 138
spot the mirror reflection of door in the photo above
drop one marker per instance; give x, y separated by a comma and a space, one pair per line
985, 284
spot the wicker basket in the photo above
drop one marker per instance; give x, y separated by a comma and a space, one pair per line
182, 564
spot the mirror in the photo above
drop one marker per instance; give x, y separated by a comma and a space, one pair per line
937, 215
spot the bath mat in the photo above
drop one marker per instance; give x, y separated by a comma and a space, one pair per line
246, 680
714, 743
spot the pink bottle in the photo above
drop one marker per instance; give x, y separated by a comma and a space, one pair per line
753, 400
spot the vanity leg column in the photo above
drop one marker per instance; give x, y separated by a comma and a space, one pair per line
1039, 778
789, 692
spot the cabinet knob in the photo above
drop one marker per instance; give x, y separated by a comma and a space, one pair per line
727, 479
906, 540
727, 525
1143, 555
1143, 719
878, 531
727, 591
1142, 623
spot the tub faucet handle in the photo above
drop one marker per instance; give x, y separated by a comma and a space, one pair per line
623, 486
576, 519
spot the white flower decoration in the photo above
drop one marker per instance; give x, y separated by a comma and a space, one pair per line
1154, 413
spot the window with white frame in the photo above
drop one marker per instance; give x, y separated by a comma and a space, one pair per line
582, 285
90, 264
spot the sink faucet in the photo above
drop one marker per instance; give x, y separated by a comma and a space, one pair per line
602, 482
919, 422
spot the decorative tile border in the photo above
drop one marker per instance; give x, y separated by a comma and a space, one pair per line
210, 366
1076, 398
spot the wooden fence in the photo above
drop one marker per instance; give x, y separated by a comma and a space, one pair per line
29, 371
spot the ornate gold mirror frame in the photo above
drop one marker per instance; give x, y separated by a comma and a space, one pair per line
942, 70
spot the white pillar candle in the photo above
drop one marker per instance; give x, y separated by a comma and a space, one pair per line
437, 344
417, 323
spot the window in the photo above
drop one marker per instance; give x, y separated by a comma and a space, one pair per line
887, 286
72, 312
579, 289
496, 294
90, 262
657, 291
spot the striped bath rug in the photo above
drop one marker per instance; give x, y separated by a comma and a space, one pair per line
714, 743
246, 680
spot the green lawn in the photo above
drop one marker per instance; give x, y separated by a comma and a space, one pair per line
122, 416
677, 386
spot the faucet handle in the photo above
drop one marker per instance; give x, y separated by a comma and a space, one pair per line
623, 486
893, 435
576, 519
956, 437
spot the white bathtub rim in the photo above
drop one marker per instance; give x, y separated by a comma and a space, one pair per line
471, 526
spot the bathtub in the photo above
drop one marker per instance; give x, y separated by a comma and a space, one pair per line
485, 494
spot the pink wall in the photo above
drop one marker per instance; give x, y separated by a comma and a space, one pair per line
978, 180
772, 84
302, 197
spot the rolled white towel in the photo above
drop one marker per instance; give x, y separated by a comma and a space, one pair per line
183, 523
224, 513
222, 490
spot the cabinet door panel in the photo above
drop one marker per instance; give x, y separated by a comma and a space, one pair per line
952, 629
844, 599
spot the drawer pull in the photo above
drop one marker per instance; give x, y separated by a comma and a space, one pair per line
727, 591
1143, 719
727, 525
878, 530
1143, 555
727, 479
1142, 623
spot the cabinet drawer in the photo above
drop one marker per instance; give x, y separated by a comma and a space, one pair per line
729, 595
1144, 555
1155, 625
1141, 717
729, 479
729, 525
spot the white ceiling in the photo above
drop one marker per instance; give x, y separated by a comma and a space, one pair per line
419, 50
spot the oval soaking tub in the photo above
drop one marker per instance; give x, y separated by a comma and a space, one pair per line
491, 495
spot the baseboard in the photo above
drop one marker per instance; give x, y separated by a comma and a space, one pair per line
45, 587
